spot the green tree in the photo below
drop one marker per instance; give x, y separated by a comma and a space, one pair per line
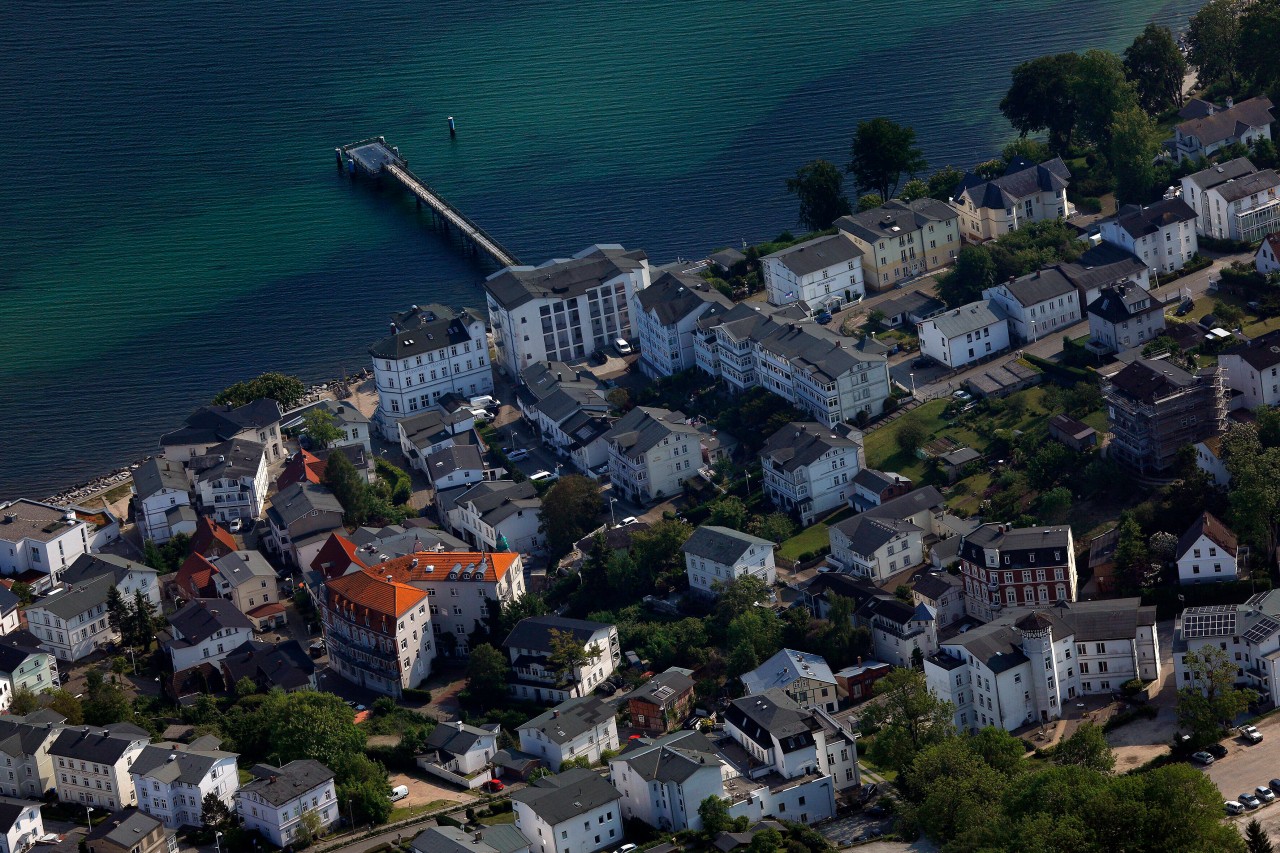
246, 686
736, 597
142, 622
729, 511
288, 391
350, 490
1131, 559
714, 814
1054, 505
909, 717
570, 509
1214, 37
1086, 747
776, 527
1210, 700
911, 435
24, 701
943, 183
766, 840
567, 654
1042, 96
215, 814
820, 188
656, 551
619, 399
309, 826
1135, 141
288, 726
1156, 68
1256, 839
882, 152
105, 703
1255, 485
954, 787
1259, 44
24, 591
753, 637
974, 271
319, 426
119, 614
1101, 92
869, 201
64, 703
1024, 148
914, 189
487, 672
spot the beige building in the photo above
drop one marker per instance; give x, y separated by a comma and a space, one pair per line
901, 240
1025, 193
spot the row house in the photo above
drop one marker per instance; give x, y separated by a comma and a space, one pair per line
29, 770
1162, 234
275, 799
534, 675
652, 452
1027, 192
581, 726
823, 272
1234, 200
40, 540
1155, 408
1005, 566
1217, 127
714, 556
666, 316
432, 351
1037, 305
172, 780
92, 764
903, 239
257, 421
809, 467
161, 489
966, 334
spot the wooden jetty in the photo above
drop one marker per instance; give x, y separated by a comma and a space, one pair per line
375, 158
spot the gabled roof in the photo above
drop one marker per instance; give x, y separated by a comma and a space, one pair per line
103, 744
302, 467
1147, 380
429, 566
1119, 303
126, 828
722, 544
1248, 185
1021, 179
201, 618
89, 566
424, 329
211, 539
78, 598
968, 318
1231, 123
786, 668
12, 809
336, 556
644, 427
496, 500
567, 795
801, 443
501, 838
368, 593
175, 762
16, 647
1222, 172
934, 585
773, 714
664, 688
1208, 525
195, 577
571, 719
285, 665
877, 481
213, 424
905, 506
672, 297
1039, 286
817, 254
455, 457
563, 278
230, 459
534, 632
894, 218
1138, 221
867, 534
458, 738
240, 567
299, 500
159, 473
280, 785
674, 757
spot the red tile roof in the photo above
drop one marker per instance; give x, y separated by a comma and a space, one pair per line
336, 556
302, 467
1208, 525
195, 577
437, 566
363, 594
211, 540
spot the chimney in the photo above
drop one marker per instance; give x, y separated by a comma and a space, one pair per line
1231, 102
476, 838
555, 713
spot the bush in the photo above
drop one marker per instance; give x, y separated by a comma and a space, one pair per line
445, 820
1126, 717
416, 694
1089, 204
804, 557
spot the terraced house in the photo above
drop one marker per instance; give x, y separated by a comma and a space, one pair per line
666, 316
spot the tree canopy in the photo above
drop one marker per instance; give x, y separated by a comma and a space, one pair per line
570, 509
288, 391
819, 186
1210, 700
1156, 68
882, 152
1042, 97
909, 717
320, 428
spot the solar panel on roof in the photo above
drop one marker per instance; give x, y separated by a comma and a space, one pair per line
1216, 621
1265, 628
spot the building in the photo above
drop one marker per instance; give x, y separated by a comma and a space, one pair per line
72, 623
809, 467
567, 308
1005, 566
910, 308
500, 838
966, 334
24, 666
299, 520
652, 452
286, 666
662, 703
1246, 122
1234, 200
577, 727
1267, 259
172, 780
459, 465
858, 681
1248, 633
1025, 666
20, 825
204, 631
377, 631
10, 617
207, 426
130, 577
900, 240
1207, 552
901, 634
1252, 370
533, 673
40, 539
24, 746
274, 801
211, 539
130, 831
161, 487
943, 593
823, 272
231, 480
495, 515
248, 581
1155, 408
425, 433
1101, 266
804, 677
663, 781
714, 556
351, 423
1162, 234
872, 487
666, 318
93, 764
1025, 193
1038, 304
1075, 434
431, 351
461, 754
1209, 460
569, 409
875, 548
1124, 316
574, 812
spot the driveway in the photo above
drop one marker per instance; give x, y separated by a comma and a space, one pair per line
422, 792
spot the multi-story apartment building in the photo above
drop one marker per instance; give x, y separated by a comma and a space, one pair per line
714, 556
1162, 234
809, 467
534, 674
1245, 122
1234, 200
425, 433
666, 318
875, 548
299, 520
823, 272
231, 480
803, 676
582, 726
1248, 633
248, 581
40, 538
966, 334
573, 812
1252, 372
652, 452
274, 802
161, 487
1124, 316
1155, 408
1036, 305
1026, 666
567, 308
903, 239
92, 764
258, 421
24, 666
21, 823
1025, 193
377, 631
204, 631
1005, 566
29, 770
567, 406
431, 351
130, 577
72, 623
172, 780
495, 515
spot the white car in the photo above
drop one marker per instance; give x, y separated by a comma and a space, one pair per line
543, 477
1251, 734
622, 346
480, 415
1232, 807
630, 519
236, 525
484, 402
1265, 794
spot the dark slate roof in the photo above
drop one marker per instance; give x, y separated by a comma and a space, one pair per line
298, 500
229, 460
279, 785
672, 757
912, 302
211, 424
664, 687
904, 506
125, 828
1147, 380
159, 473
77, 598
201, 618
502, 838
1118, 303
286, 665
1116, 618
866, 534
817, 254
571, 719
455, 457
1026, 547
801, 443
103, 744
8, 601
534, 632
672, 297
429, 427
12, 809
773, 714
26, 735
175, 762
1138, 221
997, 645
1230, 123
1260, 353
562, 278
1021, 179
1103, 264
424, 329
1207, 524
895, 217
877, 481
1039, 286
498, 500
16, 647
1248, 185
721, 544
556, 799
456, 738
1221, 173
1070, 426
934, 585
644, 427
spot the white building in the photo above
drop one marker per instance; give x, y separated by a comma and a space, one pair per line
576, 727
943, 593
172, 780
495, 515
652, 452
666, 318
809, 468
1234, 200
21, 823
299, 520
24, 748
574, 812
349, 420
1003, 566
461, 754
1253, 372
205, 631
431, 351
160, 488
1025, 193
377, 631
717, 555
1209, 460
459, 465
425, 433
1162, 234
24, 665
825, 271
1245, 122
567, 308
805, 677
534, 675
1267, 259
1037, 305
72, 623
664, 780
1026, 666
1124, 316
258, 421
1207, 552
39, 537
875, 548
966, 334
93, 764
231, 480
273, 803
1248, 633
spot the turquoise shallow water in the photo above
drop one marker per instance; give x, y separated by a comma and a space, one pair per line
175, 220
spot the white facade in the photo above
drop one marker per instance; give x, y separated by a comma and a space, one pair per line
93, 768
875, 548
727, 556
1207, 553
498, 510
174, 780
24, 749
666, 316
1246, 123
27, 826
1246, 634
651, 453
40, 537
377, 631
1267, 259
825, 271
1209, 460
1037, 305
663, 783
964, 335
572, 814
579, 727
1234, 200
37, 672
206, 631
160, 486
528, 647
809, 468
73, 623
1124, 317
1253, 373
236, 489
278, 818
1163, 235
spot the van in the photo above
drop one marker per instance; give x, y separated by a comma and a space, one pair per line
1233, 807
622, 346
484, 402
399, 792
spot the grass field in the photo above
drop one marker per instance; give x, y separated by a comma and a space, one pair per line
812, 537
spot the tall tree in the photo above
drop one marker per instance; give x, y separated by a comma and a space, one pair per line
1255, 485
869, 201
882, 152
1256, 839
714, 814
820, 188
487, 672
1156, 68
1131, 559
1086, 747
350, 490
142, 621
118, 611
1210, 700
1259, 40
567, 653
975, 270
1135, 141
943, 183
1101, 91
1042, 97
729, 511
320, 428
570, 509
1214, 36
214, 813
910, 718
914, 189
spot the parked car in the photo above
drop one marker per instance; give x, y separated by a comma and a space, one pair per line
1217, 750
481, 415
962, 395
1232, 807
484, 402
493, 786
236, 525
630, 519
824, 318
622, 347
1185, 308
1275, 785
399, 792
1249, 801
515, 454
1202, 757
1265, 794
1251, 734
627, 848
543, 477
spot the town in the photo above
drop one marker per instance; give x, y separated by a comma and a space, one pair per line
948, 525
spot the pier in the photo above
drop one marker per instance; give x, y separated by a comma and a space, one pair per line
375, 158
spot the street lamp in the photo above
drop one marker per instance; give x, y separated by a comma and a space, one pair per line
613, 519
1033, 331
217, 844
913, 383
88, 816
351, 814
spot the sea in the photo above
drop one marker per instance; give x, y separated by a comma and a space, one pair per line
174, 219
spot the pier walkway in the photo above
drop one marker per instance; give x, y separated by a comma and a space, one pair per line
374, 158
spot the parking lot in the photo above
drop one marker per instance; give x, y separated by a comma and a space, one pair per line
1247, 766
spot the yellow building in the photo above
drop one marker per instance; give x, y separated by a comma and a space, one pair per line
901, 240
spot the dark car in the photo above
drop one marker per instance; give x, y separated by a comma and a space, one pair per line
824, 318
868, 791
1217, 750
1185, 308
922, 361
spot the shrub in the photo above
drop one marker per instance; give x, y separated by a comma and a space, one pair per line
416, 694
1090, 204
446, 820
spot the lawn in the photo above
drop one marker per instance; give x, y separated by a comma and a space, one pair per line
813, 537
969, 502
413, 811
500, 817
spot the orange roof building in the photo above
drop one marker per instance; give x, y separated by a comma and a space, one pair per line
377, 631
302, 467
194, 578
337, 556
212, 540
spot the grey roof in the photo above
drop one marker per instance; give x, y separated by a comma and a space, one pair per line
773, 714
1248, 185
1138, 221
555, 799
963, 456
1039, 286
103, 744
458, 738
542, 378
786, 668
77, 598
571, 719
801, 443
664, 686
672, 297
934, 585
895, 217
1118, 303
1115, 618
912, 302
397, 541
721, 544
672, 757
562, 278
905, 506
534, 632
1260, 353
807, 345
1208, 178
201, 618
1231, 123
11, 809
243, 566
125, 828
1025, 547
1021, 179
997, 645
231, 459
16, 647
27, 519
968, 318
424, 329
867, 534
179, 514
26, 735
876, 481
175, 762
213, 424
501, 838
159, 473
817, 254
285, 665
429, 427
297, 500
89, 566
1148, 380
279, 785
455, 457
644, 427
498, 500
1100, 265
343, 414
